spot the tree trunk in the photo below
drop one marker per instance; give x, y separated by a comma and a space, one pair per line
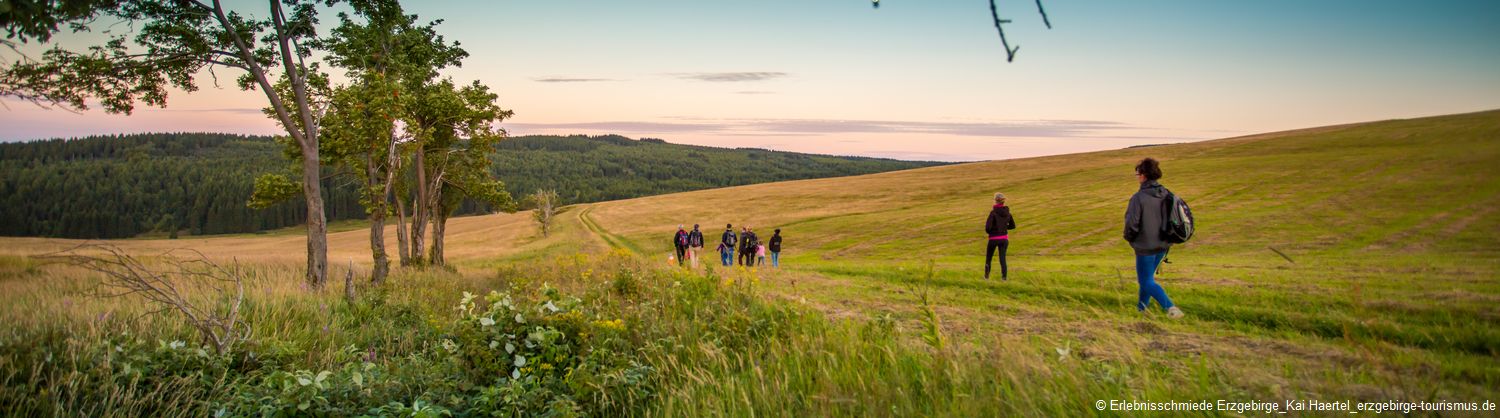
420, 209
317, 224
439, 227
403, 250
377, 225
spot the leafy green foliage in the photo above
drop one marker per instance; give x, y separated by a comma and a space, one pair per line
273, 188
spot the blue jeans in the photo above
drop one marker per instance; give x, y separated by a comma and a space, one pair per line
776, 259
727, 257
1145, 274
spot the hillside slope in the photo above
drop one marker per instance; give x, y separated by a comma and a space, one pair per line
1387, 188
1387, 290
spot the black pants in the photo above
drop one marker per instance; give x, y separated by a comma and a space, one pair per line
989, 254
747, 256
680, 252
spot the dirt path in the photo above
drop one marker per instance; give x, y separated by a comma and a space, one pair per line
614, 241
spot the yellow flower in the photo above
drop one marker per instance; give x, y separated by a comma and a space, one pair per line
614, 324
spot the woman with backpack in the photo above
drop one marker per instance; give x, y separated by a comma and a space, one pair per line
1144, 219
998, 227
695, 245
775, 248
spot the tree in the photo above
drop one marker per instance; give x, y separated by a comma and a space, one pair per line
547, 203
177, 40
384, 55
456, 135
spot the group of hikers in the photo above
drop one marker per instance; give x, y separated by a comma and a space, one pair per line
747, 244
1146, 217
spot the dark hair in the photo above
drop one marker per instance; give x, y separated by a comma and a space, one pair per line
778, 230
1149, 168
728, 226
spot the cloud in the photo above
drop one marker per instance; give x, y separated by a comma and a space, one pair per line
795, 127
569, 80
242, 110
754, 92
617, 127
731, 76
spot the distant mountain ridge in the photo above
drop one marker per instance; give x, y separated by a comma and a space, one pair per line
119, 186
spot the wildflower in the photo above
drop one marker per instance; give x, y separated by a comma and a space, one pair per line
176, 344
551, 307
486, 321
510, 348
515, 374
519, 319
520, 361
494, 344
449, 345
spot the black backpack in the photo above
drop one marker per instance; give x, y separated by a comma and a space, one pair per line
1177, 219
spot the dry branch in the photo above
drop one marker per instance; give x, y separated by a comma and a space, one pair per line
206, 294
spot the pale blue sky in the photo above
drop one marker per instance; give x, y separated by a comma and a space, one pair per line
928, 79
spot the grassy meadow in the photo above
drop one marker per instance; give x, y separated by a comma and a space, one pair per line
1355, 262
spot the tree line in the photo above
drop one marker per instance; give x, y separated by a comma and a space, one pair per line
121, 186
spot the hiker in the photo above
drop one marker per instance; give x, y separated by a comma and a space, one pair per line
775, 248
1143, 229
726, 245
760, 255
998, 226
680, 243
747, 246
695, 245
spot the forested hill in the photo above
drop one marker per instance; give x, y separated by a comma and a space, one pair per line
197, 183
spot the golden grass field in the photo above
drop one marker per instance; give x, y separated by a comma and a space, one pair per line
1389, 288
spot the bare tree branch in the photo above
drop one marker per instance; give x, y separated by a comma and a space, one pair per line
189, 283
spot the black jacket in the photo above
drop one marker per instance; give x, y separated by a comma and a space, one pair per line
749, 241
680, 239
729, 238
1143, 219
775, 245
999, 222
695, 238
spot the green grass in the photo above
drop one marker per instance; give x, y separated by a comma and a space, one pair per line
1387, 291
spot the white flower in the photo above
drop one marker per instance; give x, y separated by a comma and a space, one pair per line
449, 345
510, 348
468, 297
486, 321
519, 319
551, 307
176, 344
520, 361
515, 374
494, 344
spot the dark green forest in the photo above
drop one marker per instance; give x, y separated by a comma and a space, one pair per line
120, 186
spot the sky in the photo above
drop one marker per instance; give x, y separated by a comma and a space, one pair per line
917, 79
